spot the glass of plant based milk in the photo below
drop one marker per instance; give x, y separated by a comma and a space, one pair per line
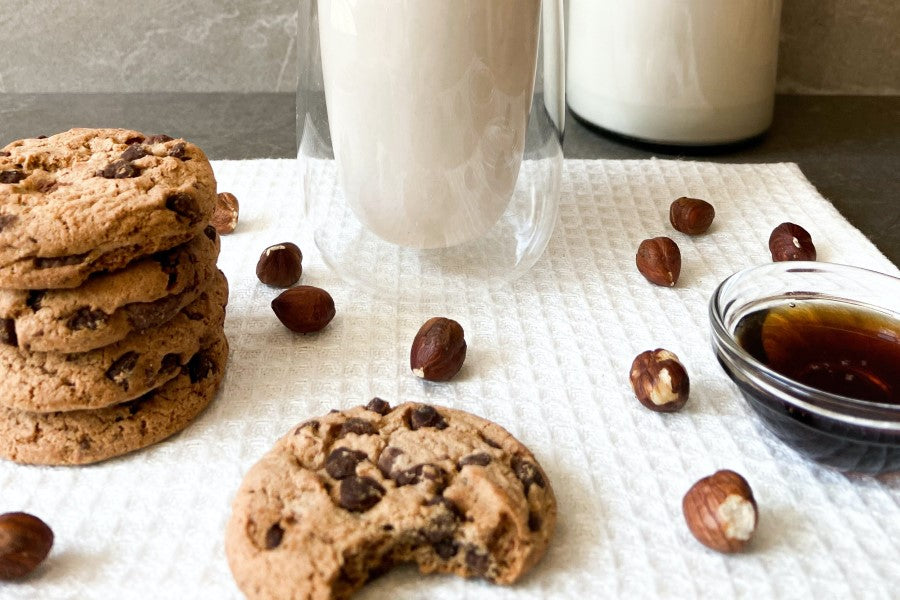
429, 137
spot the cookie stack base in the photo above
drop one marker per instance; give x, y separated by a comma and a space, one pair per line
89, 436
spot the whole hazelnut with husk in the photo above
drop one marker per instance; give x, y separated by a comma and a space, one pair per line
721, 512
789, 241
438, 350
225, 213
659, 260
304, 309
280, 265
25, 541
659, 380
691, 215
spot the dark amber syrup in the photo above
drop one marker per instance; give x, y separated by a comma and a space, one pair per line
834, 347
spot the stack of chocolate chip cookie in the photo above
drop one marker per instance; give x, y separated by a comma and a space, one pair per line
111, 305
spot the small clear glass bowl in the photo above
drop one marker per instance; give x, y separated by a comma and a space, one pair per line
845, 433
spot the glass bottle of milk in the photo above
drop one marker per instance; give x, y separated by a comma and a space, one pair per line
691, 72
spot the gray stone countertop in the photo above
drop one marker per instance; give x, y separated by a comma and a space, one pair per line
848, 146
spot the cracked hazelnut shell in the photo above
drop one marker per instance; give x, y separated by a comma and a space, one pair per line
225, 213
721, 512
659, 380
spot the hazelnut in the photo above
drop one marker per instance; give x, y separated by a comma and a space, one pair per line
721, 512
304, 309
791, 242
438, 350
659, 380
280, 265
659, 260
691, 215
25, 542
225, 214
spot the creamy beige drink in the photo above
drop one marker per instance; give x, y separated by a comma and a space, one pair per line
428, 102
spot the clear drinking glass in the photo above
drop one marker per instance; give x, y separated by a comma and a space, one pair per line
429, 138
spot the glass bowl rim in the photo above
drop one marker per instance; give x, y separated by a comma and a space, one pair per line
835, 406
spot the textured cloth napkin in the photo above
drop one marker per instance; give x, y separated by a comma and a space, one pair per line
548, 359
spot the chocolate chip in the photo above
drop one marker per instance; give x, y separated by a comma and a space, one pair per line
84, 442
14, 176
145, 315
7, 220
426, 416
185, 205
359, 494
387, 459
177, 151
418, 473
312, 424
173, 280
8, 332
136, 405
134, 152
120, 169
477, 561
33, 301
274, 536
137, 139
4, 153
534, 521
341, 463
489, 441
445, 547
122, 368
85, 318
210, 232
482, 459
357, 426
168, 261
48, 262
448, 504
499, 535
387, 527
377, 405
170, 362
200, 366
527, 472
157, 139
41, 137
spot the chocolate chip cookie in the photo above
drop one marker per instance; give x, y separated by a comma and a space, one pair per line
345, 496
90, 200
109, 306
50, 381
88, 436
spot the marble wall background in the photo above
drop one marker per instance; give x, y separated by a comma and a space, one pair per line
828, 46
